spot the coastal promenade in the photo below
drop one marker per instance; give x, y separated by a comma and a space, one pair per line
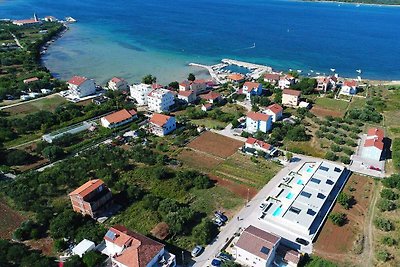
210, 69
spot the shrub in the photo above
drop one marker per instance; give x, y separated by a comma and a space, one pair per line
389, 241
345, 159
348, 151
336, 148
389, 194
382, 255
331, 156
392, 182
386, 205
344, 200
17, 157
384, 224
338, 218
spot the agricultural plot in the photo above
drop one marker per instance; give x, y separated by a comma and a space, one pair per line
9, 220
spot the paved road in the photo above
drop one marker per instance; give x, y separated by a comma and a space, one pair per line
228, 133
247, 216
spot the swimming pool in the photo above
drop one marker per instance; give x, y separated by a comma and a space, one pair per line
290, 195
277, 211
309, 169
300, 182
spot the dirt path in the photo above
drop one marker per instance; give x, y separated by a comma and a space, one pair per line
368, 253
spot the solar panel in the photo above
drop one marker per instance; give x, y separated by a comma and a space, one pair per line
110, 234
264, 250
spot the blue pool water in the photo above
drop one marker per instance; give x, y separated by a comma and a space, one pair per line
309, 169
300, 182
289, 196
277, 211
133, 38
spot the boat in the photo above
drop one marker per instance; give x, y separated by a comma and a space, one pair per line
70, 19
359, 71
333, 70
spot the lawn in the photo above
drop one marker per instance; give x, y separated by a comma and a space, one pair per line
49, 103
357, 102
210, 123
241, 169
331, 104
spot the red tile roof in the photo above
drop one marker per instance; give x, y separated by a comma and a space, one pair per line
256, 116
210, 96
33, 79
374, 142
275, 108
351, 83
120, 116
116, 80
291, 92
253, 240
236, 77
159, 119
140, 249
253, 141
156, 86
272, 76
251, 86
77, 80
87, 188
185, 93
25, 21
376, 132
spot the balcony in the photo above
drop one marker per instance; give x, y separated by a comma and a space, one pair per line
166, 260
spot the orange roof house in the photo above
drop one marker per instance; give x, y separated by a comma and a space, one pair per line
161, 124
90, 198
130, 249
118, 118
236, 78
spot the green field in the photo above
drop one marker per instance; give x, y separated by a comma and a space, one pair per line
210, 123
357, 102
241, 169
331, 104
49, 103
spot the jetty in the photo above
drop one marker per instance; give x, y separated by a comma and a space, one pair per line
219, 74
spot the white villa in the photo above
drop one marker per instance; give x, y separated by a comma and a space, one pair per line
81, 86
373, 144
116, 84
118, 118
161, 124
256, 121
274, 110
140, 93
160, 100
290, 97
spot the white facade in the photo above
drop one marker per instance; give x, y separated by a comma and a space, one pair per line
248, 259
160, 100
275, 116
254, 124
84, 89
286, 82
162, 129
83, 247
116, 84
371, 152
140, 93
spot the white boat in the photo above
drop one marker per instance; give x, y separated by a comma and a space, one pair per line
333, 70
359, 71
70, 19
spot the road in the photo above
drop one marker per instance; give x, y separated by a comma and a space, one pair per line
16, 40
248, 215
25, 102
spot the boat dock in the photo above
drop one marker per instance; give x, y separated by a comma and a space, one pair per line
219, 75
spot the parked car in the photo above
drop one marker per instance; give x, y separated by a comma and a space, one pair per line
216, 262
374, 168
218, 222
302, 241
221, 216
224, 257
196, 251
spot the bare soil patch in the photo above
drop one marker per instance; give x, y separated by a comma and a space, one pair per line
323, 112
198, 160
10, 220
241, 190
216, 144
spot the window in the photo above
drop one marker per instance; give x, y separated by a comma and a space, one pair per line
305, 194
321, 196
295, 210
311, 212
324, 168
315, 180
330, 182
265, 250
337, 169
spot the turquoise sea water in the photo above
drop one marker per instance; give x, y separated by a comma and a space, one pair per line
133, 38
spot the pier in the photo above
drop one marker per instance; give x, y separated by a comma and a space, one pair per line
219, 75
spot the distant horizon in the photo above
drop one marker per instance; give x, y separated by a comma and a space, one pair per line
134, 39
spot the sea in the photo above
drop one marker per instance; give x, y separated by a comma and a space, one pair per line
132, 38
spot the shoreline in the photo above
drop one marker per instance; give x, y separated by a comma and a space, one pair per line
349, 3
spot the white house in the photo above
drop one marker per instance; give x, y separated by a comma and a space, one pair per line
272, 78
323, 84
206, 107
187, 96
160, 100
253, 145
197, 86
256, 247
290, 97
140, 93
256, 121
373, 145
349, 88
275, 111
130, 249
162, 124
116, 84
81, 86
251, 89
83, 247
118, 118
286, 81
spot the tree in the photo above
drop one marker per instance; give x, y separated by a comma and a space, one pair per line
384, 224
382, 255
174, 85
289, 156
74, 261
17, 157
53, 153
149, 79
338, 218
389, 194
389, 241
92, 259
205, 232
344, 200
386, 205
331, 156
191, 77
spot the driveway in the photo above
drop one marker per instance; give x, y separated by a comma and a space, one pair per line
229, 133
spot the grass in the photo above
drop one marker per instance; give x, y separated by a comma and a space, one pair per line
22, 139
49, 103
357, 102
331, 104
210, 123
310, 148
241, 169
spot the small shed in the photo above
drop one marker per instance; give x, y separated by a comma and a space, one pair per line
83, 247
